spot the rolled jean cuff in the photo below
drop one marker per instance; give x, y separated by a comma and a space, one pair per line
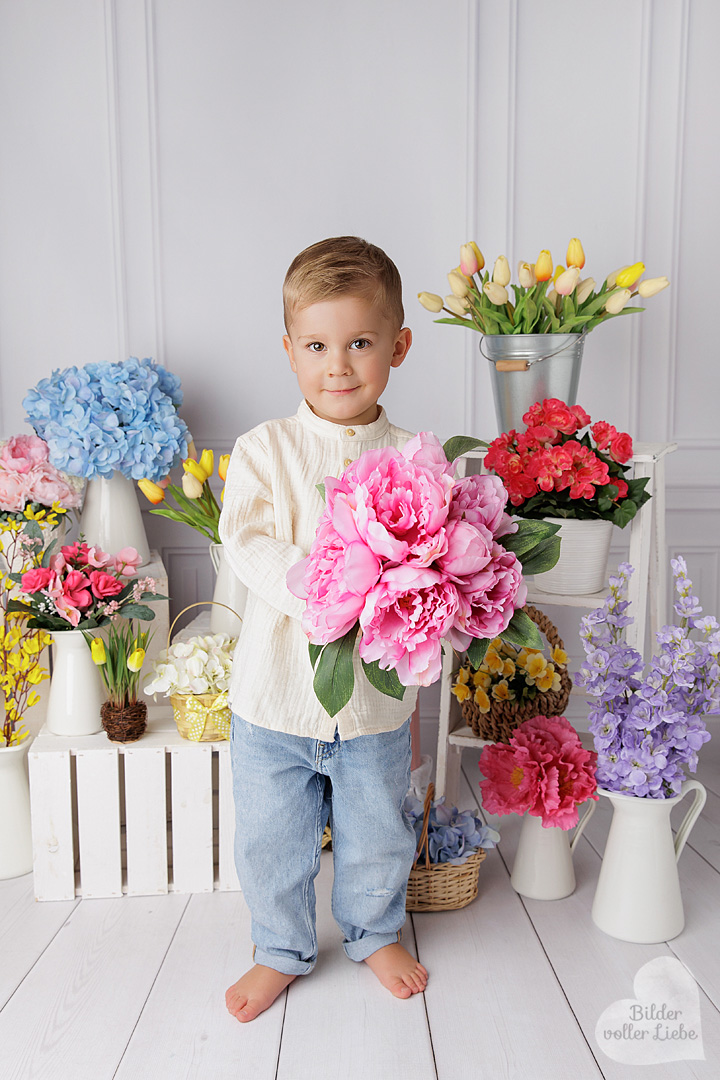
284, 964
370, 943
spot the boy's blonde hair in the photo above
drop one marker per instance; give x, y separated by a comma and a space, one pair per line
343, 265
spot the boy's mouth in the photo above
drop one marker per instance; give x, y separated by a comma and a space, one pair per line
339, 393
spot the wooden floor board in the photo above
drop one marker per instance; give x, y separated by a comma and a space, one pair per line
26, 930
341, 1024
185, 1031
74, 1013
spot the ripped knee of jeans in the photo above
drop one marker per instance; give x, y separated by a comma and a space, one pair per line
379, 892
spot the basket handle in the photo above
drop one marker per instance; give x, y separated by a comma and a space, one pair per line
199, 603
424, 839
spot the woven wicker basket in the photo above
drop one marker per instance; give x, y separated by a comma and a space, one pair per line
181, 703
441, 886
504, 716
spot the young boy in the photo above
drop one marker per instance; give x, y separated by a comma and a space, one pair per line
293, 765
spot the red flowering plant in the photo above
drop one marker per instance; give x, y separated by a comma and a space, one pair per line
81, 587
544, 770
565, 466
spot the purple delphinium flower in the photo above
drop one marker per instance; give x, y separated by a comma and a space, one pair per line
648, 728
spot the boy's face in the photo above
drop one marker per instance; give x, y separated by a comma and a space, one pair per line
341, 351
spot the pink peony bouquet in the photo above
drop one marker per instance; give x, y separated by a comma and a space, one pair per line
544, 770
27, 477
82, 587
405, 556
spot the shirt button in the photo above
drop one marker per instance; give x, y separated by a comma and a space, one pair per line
348, 461
350, 431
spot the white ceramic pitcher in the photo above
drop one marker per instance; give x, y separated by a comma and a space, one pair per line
76, 690
543, 867
638, 891
228, 590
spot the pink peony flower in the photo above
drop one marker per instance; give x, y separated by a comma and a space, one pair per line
104, 585
425, 449
13, 491
334, 579
491, 597
126, 561
35, 580
22, 453
544, 769
404, 618
46, 486
481, 500
469, 550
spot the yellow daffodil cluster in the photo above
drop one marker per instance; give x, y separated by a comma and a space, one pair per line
547, 299
509, 674
196, 504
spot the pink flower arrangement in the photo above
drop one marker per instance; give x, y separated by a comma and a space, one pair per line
544, 770
26, 476
406, 556
82, 587
552, 468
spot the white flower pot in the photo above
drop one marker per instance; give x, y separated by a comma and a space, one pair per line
543, 867
111, 517
584, 551
76, 689
638, 891
16, 854
229, 590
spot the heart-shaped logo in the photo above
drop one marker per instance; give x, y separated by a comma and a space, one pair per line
661, 1023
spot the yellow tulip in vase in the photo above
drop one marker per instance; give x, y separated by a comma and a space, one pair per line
120, 659
535, 345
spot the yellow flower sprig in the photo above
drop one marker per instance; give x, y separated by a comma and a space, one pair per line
196, 504
509, 674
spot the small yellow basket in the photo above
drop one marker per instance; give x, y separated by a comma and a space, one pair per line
201, 717
441, 886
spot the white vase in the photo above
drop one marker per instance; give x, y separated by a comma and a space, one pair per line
16, 855
76, 689
543, 867
229, 590
584, 550
638, 891
111, 517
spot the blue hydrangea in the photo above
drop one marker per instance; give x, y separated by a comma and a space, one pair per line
648, 726
452, 837
103, 418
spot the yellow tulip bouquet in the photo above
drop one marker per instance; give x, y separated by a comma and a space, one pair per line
547, 300
195, 503
20, 647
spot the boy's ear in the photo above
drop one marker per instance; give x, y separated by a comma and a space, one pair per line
287, 344
402, 344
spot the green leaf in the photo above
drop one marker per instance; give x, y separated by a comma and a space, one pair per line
624, 513
522, 631
33, 530
461, 322
314, 651
529, 534
48, 553
543, 557
460, 444
476, 651
137, 611
321, 489
387, 682
334, 677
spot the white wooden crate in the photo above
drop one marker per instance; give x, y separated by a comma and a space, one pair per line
151, 817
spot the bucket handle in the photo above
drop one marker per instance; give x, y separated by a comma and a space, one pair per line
590, 810
692, 815
521, 364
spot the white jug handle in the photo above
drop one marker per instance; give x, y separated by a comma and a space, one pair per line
215, 556
692, 815
582, 823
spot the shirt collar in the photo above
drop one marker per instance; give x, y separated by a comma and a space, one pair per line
328, 430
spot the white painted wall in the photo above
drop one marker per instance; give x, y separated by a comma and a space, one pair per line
163, 160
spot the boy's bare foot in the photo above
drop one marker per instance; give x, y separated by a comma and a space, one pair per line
255, 992
398, 970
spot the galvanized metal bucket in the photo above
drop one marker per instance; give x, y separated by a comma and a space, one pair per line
525, 368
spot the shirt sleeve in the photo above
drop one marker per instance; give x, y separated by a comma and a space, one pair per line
247, 529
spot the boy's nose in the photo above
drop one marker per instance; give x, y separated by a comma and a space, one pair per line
338, 362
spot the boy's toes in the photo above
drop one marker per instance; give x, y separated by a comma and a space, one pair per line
249, 1012
401, 990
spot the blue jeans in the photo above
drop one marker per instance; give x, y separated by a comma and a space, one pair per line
286, 788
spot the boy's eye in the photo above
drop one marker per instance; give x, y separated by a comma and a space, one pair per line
361, 343
316, 346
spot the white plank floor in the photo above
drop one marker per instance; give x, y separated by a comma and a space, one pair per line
133, 988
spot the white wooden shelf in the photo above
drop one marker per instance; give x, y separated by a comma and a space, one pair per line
646, 592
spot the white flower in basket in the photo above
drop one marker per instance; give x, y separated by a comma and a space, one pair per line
195, 675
